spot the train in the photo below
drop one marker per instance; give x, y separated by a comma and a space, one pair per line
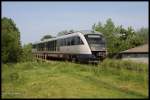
83, 46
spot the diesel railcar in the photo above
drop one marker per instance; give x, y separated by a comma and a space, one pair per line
88, 46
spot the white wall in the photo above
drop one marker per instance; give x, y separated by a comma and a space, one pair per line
141, 59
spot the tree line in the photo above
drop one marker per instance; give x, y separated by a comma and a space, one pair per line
117, 37
12, 51
120, 39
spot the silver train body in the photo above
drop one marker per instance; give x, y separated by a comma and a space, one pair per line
85, 46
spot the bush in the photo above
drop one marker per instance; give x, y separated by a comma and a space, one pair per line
120, 64
11, 45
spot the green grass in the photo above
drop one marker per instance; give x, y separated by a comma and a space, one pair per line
55, 79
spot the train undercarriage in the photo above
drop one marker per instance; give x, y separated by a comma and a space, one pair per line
95, 57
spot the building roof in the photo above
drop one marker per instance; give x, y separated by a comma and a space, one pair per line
142, 48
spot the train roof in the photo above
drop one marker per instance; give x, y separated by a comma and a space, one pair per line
84, 32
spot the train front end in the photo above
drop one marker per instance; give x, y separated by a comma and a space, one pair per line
97, 44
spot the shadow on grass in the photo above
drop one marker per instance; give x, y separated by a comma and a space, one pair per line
109, 86
112, 87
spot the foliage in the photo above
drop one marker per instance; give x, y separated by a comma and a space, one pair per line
65, 32
143, 34
27, 53
11, 45
46, 37
124, 64
55, 79
62, 33
120, 39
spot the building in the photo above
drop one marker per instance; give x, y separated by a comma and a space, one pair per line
139, 54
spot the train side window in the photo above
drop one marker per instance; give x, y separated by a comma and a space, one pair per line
64, 42
52, 46
55, 44
49, 46
43, 46
68, 41
73, 41
39, 47
78, 41
61, 42
81, 42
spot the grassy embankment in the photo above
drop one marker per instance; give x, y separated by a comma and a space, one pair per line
55, 79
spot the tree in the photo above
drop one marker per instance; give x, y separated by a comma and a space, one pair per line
11, 45
64, 32
46, 37
93, 27
109, 27
99, 27
120, 39
143, 33
27, 53
71, 31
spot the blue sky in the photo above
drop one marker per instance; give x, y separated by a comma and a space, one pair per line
36, 19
